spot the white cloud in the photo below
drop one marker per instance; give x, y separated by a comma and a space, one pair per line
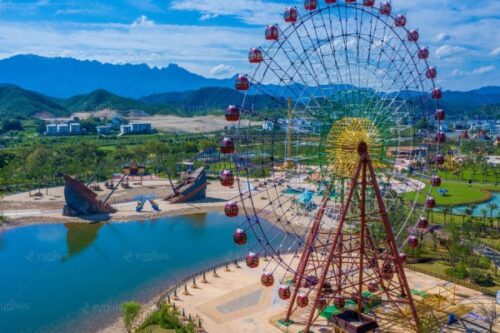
495, 52
442, 37
143, 21
449, 51
478, 71
206, 47
222, 70
207, 16
458, 73
484, 70
248, 11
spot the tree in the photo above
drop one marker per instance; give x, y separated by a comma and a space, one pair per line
130, 310
484, 212
492, 206
490, 312
11, 125
40, 125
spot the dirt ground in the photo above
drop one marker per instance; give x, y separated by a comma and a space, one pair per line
163, 123
235, 301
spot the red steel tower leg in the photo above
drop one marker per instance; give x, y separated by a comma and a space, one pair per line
356, 257
299, 275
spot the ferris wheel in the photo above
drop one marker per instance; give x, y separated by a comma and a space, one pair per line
327, 160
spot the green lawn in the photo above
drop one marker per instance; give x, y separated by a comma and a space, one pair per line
459, 193
491, 176
439, 267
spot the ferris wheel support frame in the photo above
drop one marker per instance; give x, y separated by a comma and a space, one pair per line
336, 255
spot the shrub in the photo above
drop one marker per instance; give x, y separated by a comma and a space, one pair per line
481, 278
130, 311
459, 272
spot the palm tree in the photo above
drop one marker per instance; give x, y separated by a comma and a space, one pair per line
492, 206
484, 212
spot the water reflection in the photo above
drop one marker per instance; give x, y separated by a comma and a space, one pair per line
80, 236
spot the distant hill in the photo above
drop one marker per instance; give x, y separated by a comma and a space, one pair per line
66, 77
15, 101
99, 100
206, 100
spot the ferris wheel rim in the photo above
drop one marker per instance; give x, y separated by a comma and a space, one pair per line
310, 15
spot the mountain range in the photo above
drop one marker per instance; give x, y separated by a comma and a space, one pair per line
61, 86
18, 102
66, 77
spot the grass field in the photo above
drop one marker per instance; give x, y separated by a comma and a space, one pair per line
459, 193
439, 267
491, 176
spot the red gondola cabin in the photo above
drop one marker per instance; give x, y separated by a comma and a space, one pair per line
226, 178
302, 300
436, 181
290, 15
252, 260
423, 53
267, 279
227, 146
413, 36
231, 209
284, 292
255, 56
431, 73
240, 237
423, 223
232, 113
437, 93
430, 203
400, 21
412, 242
272, 32
440, 137
242, 83
385, 8
368, 3
403, 257
440, 115
311, 4
339, 302
439, 159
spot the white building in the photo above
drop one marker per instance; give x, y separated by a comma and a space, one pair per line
51, 129
135, 128
71, 128
75, 128
103, 129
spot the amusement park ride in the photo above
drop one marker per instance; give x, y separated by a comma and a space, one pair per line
356, 80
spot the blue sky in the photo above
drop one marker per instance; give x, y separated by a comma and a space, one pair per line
212, 37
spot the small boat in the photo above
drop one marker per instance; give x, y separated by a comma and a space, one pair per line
192, 188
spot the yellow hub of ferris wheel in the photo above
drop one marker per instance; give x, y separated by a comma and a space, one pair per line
343, 140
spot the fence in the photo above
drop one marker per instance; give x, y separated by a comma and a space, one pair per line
172, 291
463, 283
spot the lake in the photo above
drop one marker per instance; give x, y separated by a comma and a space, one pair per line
477, 211
55, 276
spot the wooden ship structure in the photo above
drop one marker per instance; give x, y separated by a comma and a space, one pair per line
192, 187
81, 200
